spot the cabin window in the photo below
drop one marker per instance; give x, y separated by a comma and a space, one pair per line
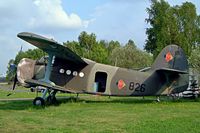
100, 82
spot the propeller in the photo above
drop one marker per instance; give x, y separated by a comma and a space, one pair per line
13, 69
14, 85
15, 82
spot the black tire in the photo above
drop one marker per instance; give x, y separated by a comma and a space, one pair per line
38, 101
195, 96
51, 100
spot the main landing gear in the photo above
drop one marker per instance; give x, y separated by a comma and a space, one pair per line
158, 99
39, 101
50, 99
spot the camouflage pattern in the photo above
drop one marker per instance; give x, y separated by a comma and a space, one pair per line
70, 73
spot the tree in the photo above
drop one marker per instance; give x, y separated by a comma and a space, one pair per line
10, 74
87, 41
75, 47
31, 54
129, 56
88, 47
171, 25
112, 45
99, 54
198, 24
157, 34
111, 52
194, 59
188, 26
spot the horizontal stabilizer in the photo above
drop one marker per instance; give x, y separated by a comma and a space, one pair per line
168, 70
145, 69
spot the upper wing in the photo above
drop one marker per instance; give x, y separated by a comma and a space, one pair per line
51, 47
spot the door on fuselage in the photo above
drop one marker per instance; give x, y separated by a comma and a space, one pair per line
100, 82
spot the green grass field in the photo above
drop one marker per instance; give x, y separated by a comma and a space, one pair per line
100, 114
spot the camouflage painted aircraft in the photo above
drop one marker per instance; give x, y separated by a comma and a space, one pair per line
67, 72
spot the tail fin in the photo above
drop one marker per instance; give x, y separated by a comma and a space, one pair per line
171, 58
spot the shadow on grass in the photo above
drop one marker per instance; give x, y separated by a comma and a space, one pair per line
124, 100
27, 104
15, 105
24, 105
102, 99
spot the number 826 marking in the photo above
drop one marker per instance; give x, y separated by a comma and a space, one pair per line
137, 87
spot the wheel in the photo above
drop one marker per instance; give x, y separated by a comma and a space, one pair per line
195, 96
38, 101
51, 99
158, 99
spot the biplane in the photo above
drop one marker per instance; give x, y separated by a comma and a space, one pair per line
63, 70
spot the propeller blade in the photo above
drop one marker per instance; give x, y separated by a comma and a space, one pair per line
15, 82
9, 94
14, 85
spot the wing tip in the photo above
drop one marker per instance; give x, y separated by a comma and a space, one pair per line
23, 34
29, 36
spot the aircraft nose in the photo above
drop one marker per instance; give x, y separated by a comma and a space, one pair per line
25, 70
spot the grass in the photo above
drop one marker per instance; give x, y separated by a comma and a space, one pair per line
23, 93
19, 92
101, 114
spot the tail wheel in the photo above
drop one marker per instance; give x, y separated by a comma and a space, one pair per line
195, 96
38, 101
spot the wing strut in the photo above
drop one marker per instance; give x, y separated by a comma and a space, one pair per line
48, 70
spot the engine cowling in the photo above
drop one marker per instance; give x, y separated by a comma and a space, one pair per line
25, 70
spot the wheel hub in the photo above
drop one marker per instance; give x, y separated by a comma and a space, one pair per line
38, 102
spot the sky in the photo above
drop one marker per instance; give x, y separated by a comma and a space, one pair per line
63, 20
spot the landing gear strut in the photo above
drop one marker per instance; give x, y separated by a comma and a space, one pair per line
50, 99
158, 99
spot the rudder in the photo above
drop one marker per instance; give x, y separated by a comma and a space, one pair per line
171, 57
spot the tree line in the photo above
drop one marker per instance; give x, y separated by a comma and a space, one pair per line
110, 52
